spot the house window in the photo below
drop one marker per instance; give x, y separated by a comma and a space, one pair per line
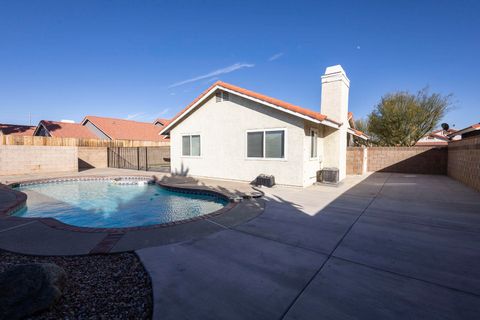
222, 96
313, 144
268, 144
191, 145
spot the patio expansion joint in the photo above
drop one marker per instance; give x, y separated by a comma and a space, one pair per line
281, 242
330, 255
218, 224
407, 276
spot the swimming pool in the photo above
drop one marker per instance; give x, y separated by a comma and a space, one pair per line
111, 204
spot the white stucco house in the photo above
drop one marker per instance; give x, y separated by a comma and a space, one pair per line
236, 134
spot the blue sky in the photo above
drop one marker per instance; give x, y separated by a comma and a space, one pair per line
147, 59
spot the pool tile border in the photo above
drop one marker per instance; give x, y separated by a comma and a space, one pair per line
54, 223
11, 207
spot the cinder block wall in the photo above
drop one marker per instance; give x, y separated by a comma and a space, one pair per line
464, 161
355, 160
92, 157
421, 160
32, 159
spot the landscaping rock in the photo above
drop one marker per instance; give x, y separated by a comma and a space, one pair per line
102, 286
28, 288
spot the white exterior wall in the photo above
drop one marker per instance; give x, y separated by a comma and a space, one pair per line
223, 132
312, 165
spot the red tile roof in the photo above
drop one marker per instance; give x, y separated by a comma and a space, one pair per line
351, 121
360, 133
120, 129
67, 130
162, 121
471, 128
259, 96
17, 129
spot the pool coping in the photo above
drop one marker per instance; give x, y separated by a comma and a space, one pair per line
57, 224
18, 237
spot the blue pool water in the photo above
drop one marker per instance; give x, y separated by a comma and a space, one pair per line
103, 204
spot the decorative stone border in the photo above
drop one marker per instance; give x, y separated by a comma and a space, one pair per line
54, 223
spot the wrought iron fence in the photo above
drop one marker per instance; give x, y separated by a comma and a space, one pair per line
140, 158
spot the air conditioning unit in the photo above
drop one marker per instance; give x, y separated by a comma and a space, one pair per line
264, 180
328, 175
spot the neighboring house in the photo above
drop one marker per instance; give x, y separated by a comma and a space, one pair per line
120, 129
471, 131
353, 132
435, 138
60, 129
232, 133
93, 127
16, 130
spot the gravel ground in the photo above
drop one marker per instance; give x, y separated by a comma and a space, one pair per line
114, 286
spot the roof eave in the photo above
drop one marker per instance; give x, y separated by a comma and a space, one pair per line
474, 127
326, 121
361, 136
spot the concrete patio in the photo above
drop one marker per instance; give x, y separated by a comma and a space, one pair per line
383, 246
393, 246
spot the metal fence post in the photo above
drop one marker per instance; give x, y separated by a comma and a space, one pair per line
138, 158
146, 158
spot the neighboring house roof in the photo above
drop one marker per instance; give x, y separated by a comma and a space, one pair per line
17, 129
431, 143
120, 129
444, 132
254, 96
161, 121
473, 127
353, 130
434, 138
438, 136
60, 129
358, 133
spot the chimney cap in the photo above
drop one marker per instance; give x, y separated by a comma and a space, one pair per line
335, 69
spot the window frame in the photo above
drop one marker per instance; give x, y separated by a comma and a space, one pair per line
264, 131
190, 135
315, 132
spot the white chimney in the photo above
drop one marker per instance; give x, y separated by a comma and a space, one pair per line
334, 104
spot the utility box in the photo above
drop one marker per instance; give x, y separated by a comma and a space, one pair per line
264, 180
328, 175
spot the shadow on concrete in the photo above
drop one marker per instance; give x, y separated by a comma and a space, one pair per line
382, 248
432, 161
